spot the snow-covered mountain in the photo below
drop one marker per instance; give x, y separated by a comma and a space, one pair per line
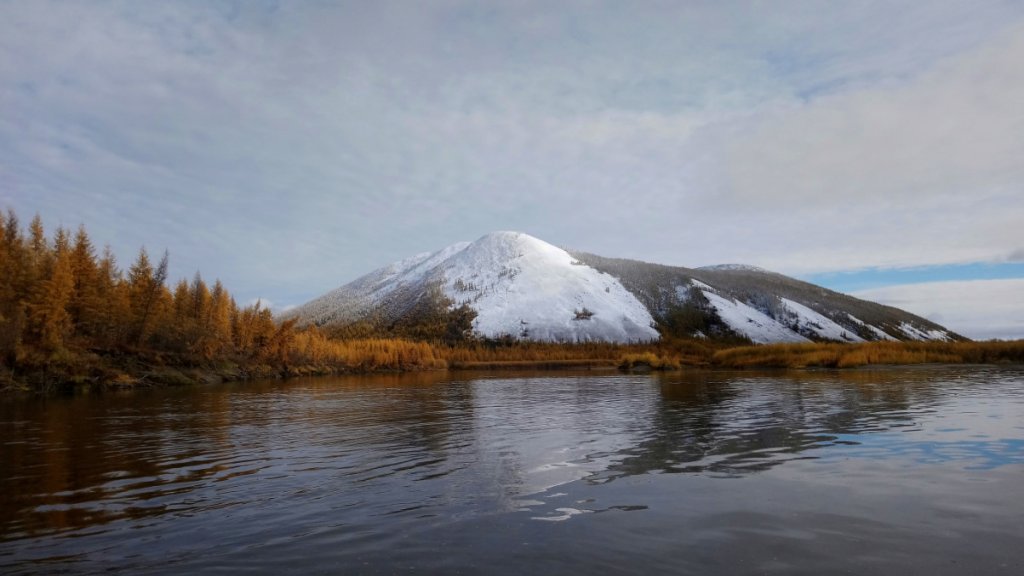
522, 287
518, 285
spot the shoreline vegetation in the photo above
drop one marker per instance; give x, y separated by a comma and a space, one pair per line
72, 319
128, 368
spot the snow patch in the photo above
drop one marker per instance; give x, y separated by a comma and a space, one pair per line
809, 320
749, 321
882, 335
917, 334
697, 284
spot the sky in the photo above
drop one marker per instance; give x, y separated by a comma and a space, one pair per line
287, 148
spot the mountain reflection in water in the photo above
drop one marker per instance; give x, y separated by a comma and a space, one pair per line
378, 473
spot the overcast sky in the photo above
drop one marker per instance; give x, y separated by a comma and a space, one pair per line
288, 148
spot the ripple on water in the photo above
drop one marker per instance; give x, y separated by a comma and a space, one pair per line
450, 475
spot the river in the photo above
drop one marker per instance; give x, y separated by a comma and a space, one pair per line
896, 471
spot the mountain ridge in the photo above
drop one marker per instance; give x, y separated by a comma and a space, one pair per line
512, 285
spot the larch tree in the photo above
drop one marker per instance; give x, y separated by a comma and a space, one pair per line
115, 301
184, 323
36, 260
86, 306
12, 273
49, 320
254, 329
220, 317
201, 342
145, 287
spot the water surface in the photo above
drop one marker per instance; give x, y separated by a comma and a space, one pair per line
916, 470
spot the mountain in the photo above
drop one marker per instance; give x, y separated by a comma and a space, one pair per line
763, 306
510, 284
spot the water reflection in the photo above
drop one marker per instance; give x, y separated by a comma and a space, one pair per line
733, 424
347, 462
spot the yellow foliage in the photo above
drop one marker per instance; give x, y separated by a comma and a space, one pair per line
311, 347
648, 360
834, 355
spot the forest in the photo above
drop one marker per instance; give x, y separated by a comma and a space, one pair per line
71, 317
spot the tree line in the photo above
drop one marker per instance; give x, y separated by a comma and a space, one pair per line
62, 303
69, 315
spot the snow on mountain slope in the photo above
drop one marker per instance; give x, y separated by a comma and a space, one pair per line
356, 300
525, 287
678, 299
808, 320
915, 333
518, 285
878, 332
746, 320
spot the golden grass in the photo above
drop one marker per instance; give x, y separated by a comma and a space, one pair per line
392, 354
649, 361
312, 348
310, 352
871, 353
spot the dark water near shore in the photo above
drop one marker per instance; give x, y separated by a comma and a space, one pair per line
903, 471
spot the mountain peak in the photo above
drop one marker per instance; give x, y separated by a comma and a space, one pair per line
510, 242
523, 287
504, 235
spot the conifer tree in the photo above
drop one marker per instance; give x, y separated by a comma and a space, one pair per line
145, 287
200, 301
86, 307
184, 324
220, 317
254, 329
61, 240
160, 309
115, 303
36, 260
201, 342
37, 236
277, 347
50, 322
12, 271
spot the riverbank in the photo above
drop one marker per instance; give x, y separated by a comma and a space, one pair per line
128, 368
833, 355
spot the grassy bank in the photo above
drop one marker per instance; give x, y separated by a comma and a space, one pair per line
680, 354
871, 353
303, 354
310, 354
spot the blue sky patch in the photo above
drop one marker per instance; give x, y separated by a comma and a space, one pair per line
878, 277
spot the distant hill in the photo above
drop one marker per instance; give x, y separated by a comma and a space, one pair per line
512, 285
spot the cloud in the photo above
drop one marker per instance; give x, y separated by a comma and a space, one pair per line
919, 171
289, 148
978, 309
